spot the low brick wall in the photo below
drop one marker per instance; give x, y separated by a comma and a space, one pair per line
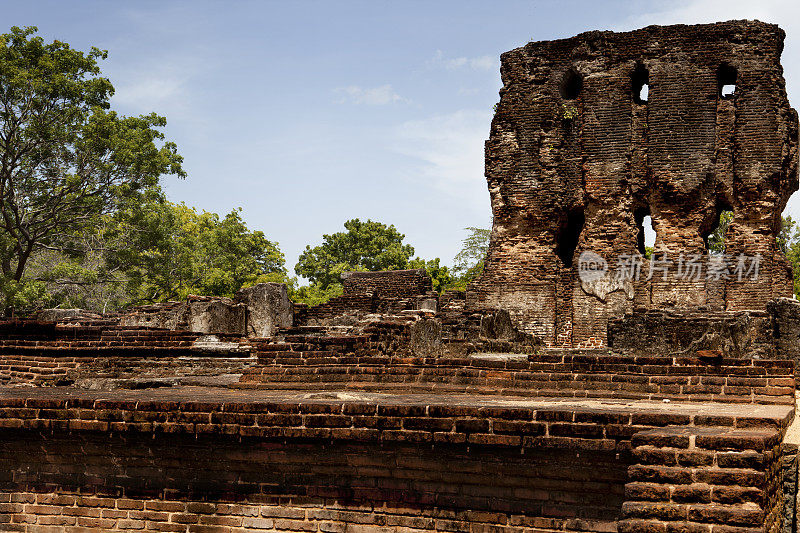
555, 375
92, 370
46, 353
387, 283
161, 461
176, 483
21, 336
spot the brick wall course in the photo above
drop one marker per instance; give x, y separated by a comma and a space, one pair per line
547, 375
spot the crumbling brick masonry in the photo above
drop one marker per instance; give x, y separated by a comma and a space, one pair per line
578, 155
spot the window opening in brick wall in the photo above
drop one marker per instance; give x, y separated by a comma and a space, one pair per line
569, 235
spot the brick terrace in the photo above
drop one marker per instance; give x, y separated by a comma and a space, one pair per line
197, 459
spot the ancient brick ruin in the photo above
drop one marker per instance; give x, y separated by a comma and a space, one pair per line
576, 159
396, 409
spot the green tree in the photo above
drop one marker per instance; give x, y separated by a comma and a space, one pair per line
177, 251
364, 246
788, 239
468, 263
314, 294
716, 240
788, 234
789, 243
156, 251
441, 276
66, 159
78, 275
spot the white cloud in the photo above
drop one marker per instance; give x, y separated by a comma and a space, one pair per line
355, 94
782, 12
168, 86
485, 62
148, 92
449, 152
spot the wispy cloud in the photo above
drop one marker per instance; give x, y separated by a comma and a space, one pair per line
485, 62
356, 94
149, 91
168, 86
449, 153
782, 12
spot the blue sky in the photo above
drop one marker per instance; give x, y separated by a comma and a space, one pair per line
306, 114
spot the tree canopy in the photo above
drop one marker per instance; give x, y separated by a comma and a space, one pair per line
716, 241
468, 262
66, 159
159, 251
177, 251
364, 246
789, 243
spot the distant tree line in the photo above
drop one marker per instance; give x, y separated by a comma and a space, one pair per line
85, 223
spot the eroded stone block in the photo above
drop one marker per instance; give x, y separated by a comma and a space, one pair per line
268, 308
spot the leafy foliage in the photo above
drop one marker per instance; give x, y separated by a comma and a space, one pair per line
788, 239
314, 294
716, 240
366, 245
441, 276
154, 252
177, 251
470, 259
66, 159
789, 243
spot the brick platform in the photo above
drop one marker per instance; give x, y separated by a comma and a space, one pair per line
195, 459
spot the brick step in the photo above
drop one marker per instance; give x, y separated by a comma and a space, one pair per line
329, 339
8, 354
277, 346
277, 368
338, 383
692, 475
315, 331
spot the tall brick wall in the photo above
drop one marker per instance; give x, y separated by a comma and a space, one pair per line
576, 159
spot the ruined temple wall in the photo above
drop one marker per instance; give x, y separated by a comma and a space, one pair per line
387, 283
575, 160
